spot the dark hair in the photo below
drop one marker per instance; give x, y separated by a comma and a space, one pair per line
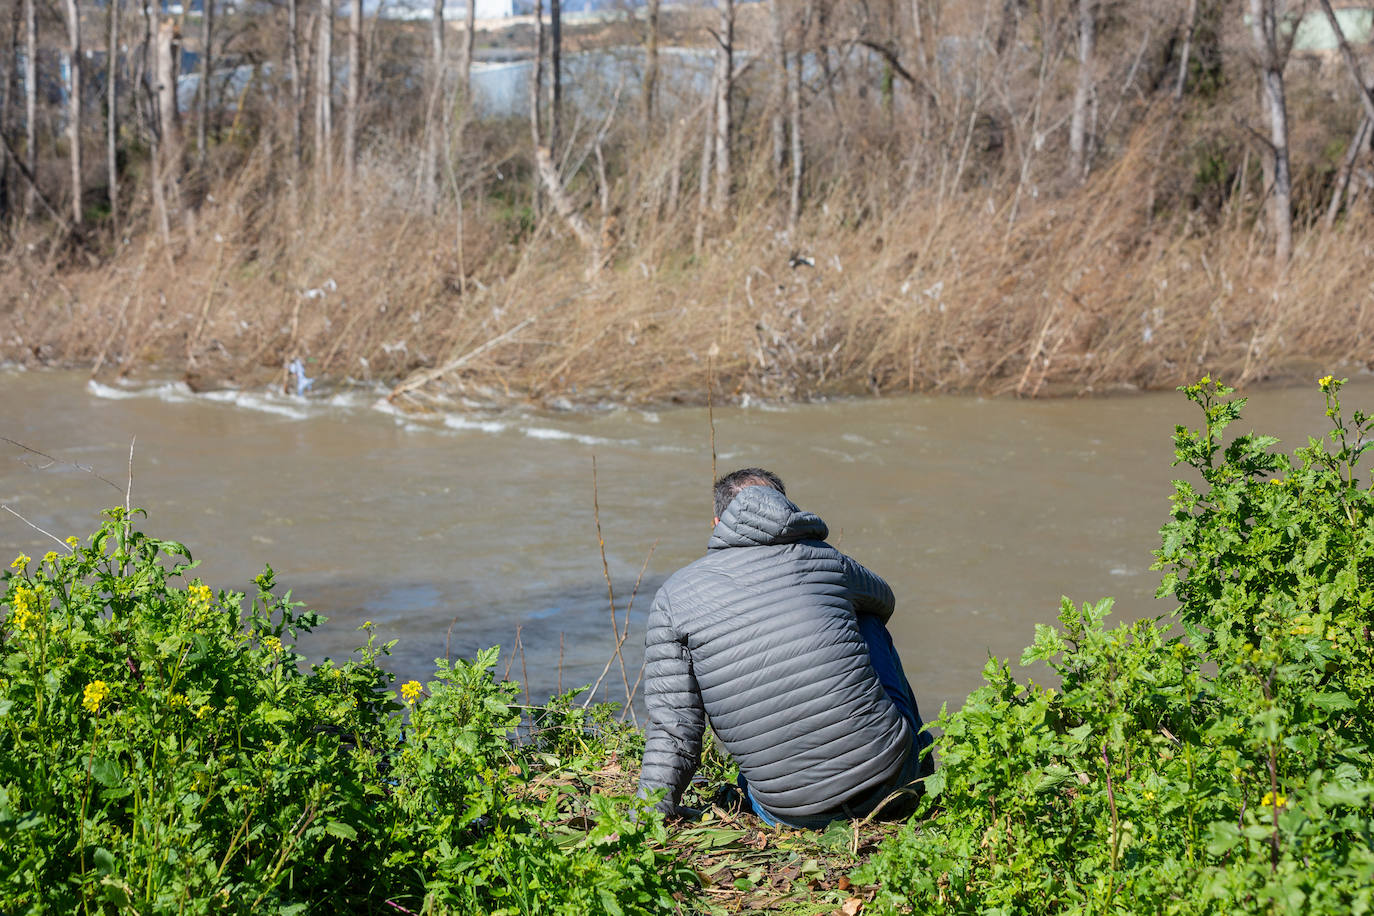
728, 487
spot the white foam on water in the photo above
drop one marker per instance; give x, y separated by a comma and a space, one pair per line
548, 433
455, 421
263, 403
172, 392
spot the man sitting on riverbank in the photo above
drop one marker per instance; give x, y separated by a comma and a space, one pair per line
781, 641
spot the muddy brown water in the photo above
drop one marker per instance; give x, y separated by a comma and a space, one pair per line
449, 532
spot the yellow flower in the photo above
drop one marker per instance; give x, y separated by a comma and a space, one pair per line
26, 608
1278, 481
1148, 795
1205, 380
177, 701
410, 690
200, 596
204, 711
1272, 800
72, 540
20, 562
94, 694
272, 644
1325, 382
50, 556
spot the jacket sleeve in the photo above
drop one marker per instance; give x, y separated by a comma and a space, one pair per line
868, 591
677, 721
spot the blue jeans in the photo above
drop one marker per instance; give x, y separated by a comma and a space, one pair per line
919, 762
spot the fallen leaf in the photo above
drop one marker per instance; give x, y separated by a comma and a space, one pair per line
844, 883
852, 906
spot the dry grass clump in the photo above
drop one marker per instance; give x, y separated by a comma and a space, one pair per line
996, 288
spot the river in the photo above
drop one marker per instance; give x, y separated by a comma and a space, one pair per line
449, 532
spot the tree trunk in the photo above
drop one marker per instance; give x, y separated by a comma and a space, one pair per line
651, 62
112, 111
1264, 30
74, 104
355, 92
1352, 62
555, 73
537, 80
207, 34
1358, 144
429, 166
30, 100
919, 34
794, 117
1006, 32
324, 93
1079, 153
1190, 27
293, 68
469, 41
724, 80
708, 136
778, 104
169, 116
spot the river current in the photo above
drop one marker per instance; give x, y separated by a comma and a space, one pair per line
449, 532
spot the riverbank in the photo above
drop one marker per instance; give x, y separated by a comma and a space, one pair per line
1090, 292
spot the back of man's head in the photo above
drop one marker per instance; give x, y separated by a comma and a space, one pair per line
728, 487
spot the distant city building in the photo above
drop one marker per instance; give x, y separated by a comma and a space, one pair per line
493, 9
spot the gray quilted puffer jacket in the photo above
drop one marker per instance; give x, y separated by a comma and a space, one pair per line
760, 636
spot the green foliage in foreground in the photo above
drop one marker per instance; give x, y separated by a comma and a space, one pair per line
163, 750
1216, 760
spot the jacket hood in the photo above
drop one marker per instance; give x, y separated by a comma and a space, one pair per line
759, 516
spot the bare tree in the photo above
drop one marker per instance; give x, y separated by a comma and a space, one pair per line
469, 38
777, 121
1352, 62
724, 83
355, 83
74, 104
555, 73
112, 109
1361, 139
651, 61
168, 55
324, 93
434, 108
918, 32
1265, 32
293, 68
30, 100
794, 120
1084, 96
207, 35
1189, 29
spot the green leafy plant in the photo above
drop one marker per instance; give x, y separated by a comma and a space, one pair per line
165, 749
1225, 768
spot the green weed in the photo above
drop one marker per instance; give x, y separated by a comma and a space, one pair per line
1223, 769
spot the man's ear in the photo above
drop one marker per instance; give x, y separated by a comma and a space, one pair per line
715, 521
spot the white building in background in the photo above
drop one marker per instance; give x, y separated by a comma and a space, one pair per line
493, 9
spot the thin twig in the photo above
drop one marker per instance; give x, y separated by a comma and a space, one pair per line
505, 675
620, 641
129, 491
610, 596
710, 405
65, 545
524, 673
80, 467
448, 637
